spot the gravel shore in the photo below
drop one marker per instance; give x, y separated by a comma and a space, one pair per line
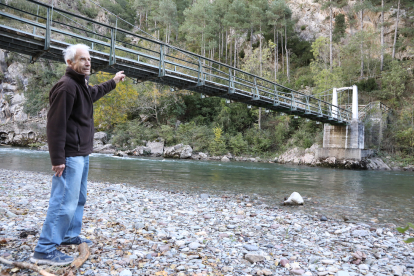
148, 232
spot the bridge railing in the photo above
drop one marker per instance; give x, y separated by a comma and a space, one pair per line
110, 43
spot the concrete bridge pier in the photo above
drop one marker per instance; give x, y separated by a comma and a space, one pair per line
344, 142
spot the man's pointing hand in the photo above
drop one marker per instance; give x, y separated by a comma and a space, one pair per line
120, 76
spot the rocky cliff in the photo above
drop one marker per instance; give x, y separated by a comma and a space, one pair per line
16, 127
313, 21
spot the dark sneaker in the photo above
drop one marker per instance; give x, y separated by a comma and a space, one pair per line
53, 258
76, 241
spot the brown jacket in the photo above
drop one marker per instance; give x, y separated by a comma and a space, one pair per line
70, 126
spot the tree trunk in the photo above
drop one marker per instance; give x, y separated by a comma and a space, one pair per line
283, 58
382, 35
362, 43
231, 53
287, 55
260, 118
274, 40
277, 53
396, 30
219, 45
260, 50
330, 36
226, 46
235, 51
251, 39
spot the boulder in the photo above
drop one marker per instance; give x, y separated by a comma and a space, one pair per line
178, 151
377, 164
157, 148
294, 199
225, 159
203, 156
100, 136
254, 258
108, 149
141, 150
43, 148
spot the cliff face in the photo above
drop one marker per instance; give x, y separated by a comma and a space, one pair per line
16, 128
314, 22
12, 85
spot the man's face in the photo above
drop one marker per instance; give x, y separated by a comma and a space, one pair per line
81, 62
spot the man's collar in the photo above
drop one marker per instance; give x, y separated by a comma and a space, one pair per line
80, 78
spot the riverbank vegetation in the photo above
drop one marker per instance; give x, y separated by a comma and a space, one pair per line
261, 37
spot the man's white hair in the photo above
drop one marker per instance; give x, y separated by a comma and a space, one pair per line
70, 52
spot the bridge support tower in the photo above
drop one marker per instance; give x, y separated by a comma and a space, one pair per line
344, 142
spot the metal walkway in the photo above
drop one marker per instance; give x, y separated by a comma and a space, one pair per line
40, 30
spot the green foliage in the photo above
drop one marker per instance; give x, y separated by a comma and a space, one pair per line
89, 11
404, 229
393, 81
37, 93
217, 146
122, 9
340, 27
237, 144
367, 85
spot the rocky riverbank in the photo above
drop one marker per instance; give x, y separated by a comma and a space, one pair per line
148, 232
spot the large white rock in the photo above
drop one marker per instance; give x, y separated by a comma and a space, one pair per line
141, 150
100, 136
294, 198
178, 151
157, 148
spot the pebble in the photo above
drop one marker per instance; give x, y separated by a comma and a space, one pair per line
251, 247
154, 232
125, 273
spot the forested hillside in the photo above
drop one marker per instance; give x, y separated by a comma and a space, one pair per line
363, 42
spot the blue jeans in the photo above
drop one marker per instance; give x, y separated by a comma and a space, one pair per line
67, 198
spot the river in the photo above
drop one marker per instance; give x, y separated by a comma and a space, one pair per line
377, 196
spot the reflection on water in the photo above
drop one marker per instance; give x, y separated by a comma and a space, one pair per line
358, 195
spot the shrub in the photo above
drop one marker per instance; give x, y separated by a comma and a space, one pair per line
237, 144
217, 146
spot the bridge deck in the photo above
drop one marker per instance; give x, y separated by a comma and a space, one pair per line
151, 60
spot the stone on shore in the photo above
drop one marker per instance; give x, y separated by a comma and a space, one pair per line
178, 151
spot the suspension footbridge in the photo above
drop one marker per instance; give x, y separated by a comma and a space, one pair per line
43, 31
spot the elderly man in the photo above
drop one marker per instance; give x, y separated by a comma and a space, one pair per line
70, 133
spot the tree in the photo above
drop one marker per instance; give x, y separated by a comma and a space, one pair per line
220, 9
114, 107
166, 14
258, 20
340, 27
330, 4
275, 14
323, 76
396, 30
237, 18
393, 81
199, 26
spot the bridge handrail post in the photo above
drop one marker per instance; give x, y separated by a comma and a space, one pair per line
48, 31
320, 107
276, 94
112, 50
307, 104
231, 89
256, 90
292, 102
161, 70
201, 75
37, 20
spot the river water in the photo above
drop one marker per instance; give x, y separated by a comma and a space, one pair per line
377, 196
